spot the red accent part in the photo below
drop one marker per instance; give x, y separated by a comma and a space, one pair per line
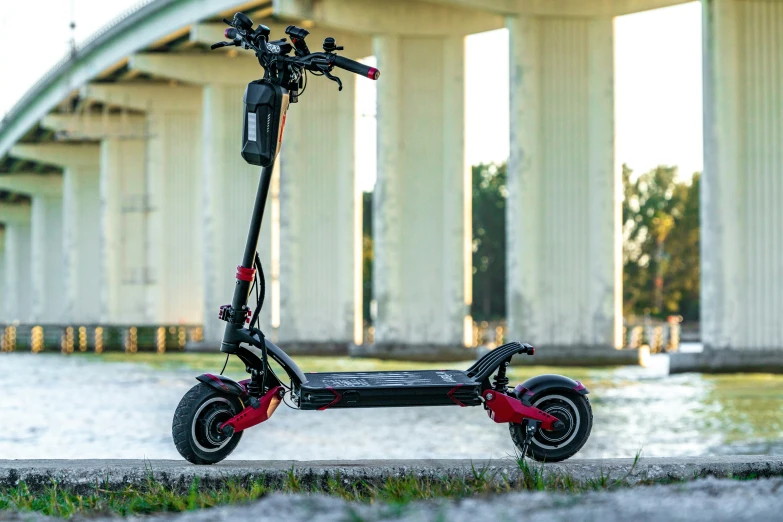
217, 380
521, 390
337, 398
531, 350
250, 416
451, 396
503, 408
224, 312
226, 32
373, 73
246, 274
579, 386
282, 128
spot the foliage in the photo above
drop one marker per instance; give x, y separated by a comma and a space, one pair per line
661, 244
660, 218
489, 242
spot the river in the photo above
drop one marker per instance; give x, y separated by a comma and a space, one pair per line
118, 406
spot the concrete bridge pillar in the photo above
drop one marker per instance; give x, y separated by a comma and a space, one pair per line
2, 277
563, 264
47, 253
123, 223
109, 216
741, 190
421, 206
17, 273
320, 222
166, 199
79, 218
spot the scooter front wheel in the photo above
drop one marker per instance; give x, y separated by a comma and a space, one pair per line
576, 414
196, 425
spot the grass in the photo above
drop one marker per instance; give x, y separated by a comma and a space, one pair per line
152, 496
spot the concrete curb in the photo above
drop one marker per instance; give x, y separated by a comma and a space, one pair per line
727, 361
83, 475
414, 352
580, 356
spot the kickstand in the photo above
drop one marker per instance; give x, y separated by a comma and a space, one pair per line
531, 427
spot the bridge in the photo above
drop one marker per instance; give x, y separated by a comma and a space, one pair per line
125, 199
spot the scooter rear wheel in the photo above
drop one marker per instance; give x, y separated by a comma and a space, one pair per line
576, 414
196, 425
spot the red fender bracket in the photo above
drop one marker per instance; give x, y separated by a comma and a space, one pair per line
501, 408
250, 416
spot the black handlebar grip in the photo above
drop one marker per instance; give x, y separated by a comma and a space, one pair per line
356, 67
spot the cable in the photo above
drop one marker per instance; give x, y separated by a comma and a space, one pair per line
304, 83
261, 287
224, 364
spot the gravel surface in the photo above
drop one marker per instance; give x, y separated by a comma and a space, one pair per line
711, 499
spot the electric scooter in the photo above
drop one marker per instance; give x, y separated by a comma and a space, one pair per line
549, 416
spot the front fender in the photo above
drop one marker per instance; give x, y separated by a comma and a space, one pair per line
223, 384
532, 387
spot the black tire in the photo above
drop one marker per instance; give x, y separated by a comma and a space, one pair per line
553, 446
196, 419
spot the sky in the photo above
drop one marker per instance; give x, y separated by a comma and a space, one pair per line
658, 102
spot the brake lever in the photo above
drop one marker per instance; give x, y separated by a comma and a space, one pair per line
333, 78
224, 44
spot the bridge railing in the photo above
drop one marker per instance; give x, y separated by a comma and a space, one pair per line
97, 338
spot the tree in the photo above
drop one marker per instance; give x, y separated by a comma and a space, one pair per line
489, 242
661, 244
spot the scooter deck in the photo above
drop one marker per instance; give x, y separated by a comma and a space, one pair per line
388, 389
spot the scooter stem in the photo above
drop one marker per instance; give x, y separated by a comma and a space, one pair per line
245, 271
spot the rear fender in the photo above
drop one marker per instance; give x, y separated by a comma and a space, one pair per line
223, 384
532, 387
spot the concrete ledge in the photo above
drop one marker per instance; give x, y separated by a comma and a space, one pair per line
82, 475
315, 348
727, 360
413, 352
292, 348
580, 356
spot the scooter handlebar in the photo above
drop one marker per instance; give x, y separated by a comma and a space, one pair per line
356, 67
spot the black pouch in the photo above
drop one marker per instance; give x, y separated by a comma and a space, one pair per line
265, 108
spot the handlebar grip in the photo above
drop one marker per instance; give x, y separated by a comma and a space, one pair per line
356, 67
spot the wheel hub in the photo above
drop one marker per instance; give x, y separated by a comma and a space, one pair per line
207, 422
565, 411
559, 435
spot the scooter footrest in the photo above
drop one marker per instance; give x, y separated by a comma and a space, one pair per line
388, 389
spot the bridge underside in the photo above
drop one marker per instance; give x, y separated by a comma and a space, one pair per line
140, 217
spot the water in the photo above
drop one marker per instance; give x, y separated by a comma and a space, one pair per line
54, 406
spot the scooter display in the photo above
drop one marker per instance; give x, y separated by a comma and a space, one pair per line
549, 416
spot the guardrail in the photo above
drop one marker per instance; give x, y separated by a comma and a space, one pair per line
97, 338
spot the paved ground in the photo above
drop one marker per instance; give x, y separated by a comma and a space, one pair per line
86, 473
711, 499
